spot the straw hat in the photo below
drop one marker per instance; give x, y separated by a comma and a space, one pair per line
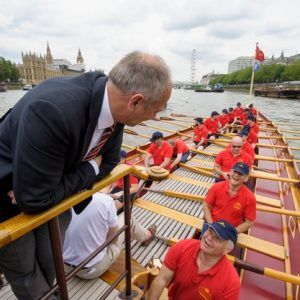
157, 173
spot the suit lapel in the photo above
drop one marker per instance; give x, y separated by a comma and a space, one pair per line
94, 113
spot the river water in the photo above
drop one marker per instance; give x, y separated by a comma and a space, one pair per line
201, 104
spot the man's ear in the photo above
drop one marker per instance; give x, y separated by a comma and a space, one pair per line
246, 179
136, 100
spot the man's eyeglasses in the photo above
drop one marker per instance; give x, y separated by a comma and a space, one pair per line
235, 146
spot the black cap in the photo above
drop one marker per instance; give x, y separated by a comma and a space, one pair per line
155, 136
230, 108
250, 105
199, 120
223, 229
239, 104
241, 168
214, 113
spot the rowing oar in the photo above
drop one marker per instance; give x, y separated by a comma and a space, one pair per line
166, 130
199, 198
282, 276
165, 120
203, 171
129, 131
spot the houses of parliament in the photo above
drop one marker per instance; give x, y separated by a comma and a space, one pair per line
37, 68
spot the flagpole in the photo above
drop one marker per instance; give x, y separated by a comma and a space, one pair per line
252, 78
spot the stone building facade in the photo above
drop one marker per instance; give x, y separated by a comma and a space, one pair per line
37, 68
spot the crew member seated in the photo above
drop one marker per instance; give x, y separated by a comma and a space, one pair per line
227, 158
232, 200
200, 134
212, 125
223, 120
199, 269
159, 153
181, 152
90, 229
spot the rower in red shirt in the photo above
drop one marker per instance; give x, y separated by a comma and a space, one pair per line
223, 119
232, 200
212, 125
253, 129
180, 151
238, 110
231, 115
227, 158
195, 269
252, 110
159, 153
200, 134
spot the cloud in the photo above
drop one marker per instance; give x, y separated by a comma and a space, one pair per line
105, 31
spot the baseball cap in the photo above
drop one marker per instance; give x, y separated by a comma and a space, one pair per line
155, 136
214, 113
199, 120
243, 133
250, 117
223, 229
238, 104
241, 167
123, 153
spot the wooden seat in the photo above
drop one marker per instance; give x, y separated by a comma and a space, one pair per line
244, 240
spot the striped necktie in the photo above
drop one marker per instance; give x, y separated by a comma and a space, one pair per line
104, 138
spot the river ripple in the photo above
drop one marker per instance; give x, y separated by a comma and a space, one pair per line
200, 104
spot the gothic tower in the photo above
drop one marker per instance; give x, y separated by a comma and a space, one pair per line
79, 58
49, 58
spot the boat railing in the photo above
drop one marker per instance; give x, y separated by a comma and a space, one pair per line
22, 224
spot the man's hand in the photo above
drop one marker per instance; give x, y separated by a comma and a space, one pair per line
226, 175
98, 160
12, 196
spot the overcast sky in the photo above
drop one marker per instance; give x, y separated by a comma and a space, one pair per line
106, 30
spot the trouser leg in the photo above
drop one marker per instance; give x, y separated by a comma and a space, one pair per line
112, 253
27, 263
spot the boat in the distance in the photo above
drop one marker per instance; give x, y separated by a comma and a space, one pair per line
3, 87
278, 92
217, 88
27, 87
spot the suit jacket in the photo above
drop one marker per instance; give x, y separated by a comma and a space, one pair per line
44, 139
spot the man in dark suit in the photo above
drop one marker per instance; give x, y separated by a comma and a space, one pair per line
46, 143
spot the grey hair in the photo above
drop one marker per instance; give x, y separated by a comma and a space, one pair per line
230, 245
142, 73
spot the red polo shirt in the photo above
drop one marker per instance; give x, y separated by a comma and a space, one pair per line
253, 111
211, 125
159, 154
180, 147
231, 116
255, 128
252, 137
200, 133
132, 180
232, 209
238, 111
219, 282
226, 159
223, 119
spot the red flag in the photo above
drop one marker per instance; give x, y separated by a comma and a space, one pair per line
259, 55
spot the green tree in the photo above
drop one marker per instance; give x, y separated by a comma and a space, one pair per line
8, 70
291, 72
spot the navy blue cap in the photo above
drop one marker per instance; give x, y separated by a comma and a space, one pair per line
155, 136
214, 113
241, 167
223, 229
199, 120
243, 133
250, 117
123, 153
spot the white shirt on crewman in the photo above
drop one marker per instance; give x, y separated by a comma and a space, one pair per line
89, 229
